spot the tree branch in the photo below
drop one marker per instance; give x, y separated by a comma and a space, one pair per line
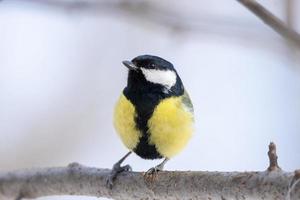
77, 179
274, 22
80, 180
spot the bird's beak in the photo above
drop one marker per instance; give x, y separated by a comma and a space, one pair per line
130, 65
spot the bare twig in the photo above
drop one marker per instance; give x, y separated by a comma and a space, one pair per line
274, 22
77, 179
273, 158
149, 12
160, 17
80, 180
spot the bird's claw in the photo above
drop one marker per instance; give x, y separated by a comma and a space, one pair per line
152, 173
126, 168
153, 170
109, 182
117, 169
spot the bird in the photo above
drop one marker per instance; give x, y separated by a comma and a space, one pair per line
154, 116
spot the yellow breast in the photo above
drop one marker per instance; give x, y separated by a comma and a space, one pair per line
124, 123
170, 127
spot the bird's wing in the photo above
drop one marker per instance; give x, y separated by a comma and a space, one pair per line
186, 100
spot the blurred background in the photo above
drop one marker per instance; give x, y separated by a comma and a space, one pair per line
61, 74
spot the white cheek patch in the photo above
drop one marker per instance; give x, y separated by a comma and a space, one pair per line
166, 78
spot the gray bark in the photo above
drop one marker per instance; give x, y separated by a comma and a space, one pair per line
80, 180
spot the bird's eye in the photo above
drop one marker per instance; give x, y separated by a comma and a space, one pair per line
152, 65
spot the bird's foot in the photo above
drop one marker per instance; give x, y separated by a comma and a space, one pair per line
152, 173
154, 170
117, 169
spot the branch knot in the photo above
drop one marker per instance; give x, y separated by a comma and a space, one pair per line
273, 158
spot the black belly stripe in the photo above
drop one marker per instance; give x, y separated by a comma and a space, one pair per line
144, 106
146, 150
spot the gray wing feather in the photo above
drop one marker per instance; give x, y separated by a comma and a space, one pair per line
186, 100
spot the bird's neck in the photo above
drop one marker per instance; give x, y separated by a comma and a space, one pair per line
137, 84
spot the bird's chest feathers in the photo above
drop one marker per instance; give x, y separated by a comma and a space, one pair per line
170, 126
162, 122
124, 122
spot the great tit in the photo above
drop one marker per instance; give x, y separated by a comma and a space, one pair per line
154, 114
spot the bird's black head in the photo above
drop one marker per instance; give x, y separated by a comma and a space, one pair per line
152, 73
152, 62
